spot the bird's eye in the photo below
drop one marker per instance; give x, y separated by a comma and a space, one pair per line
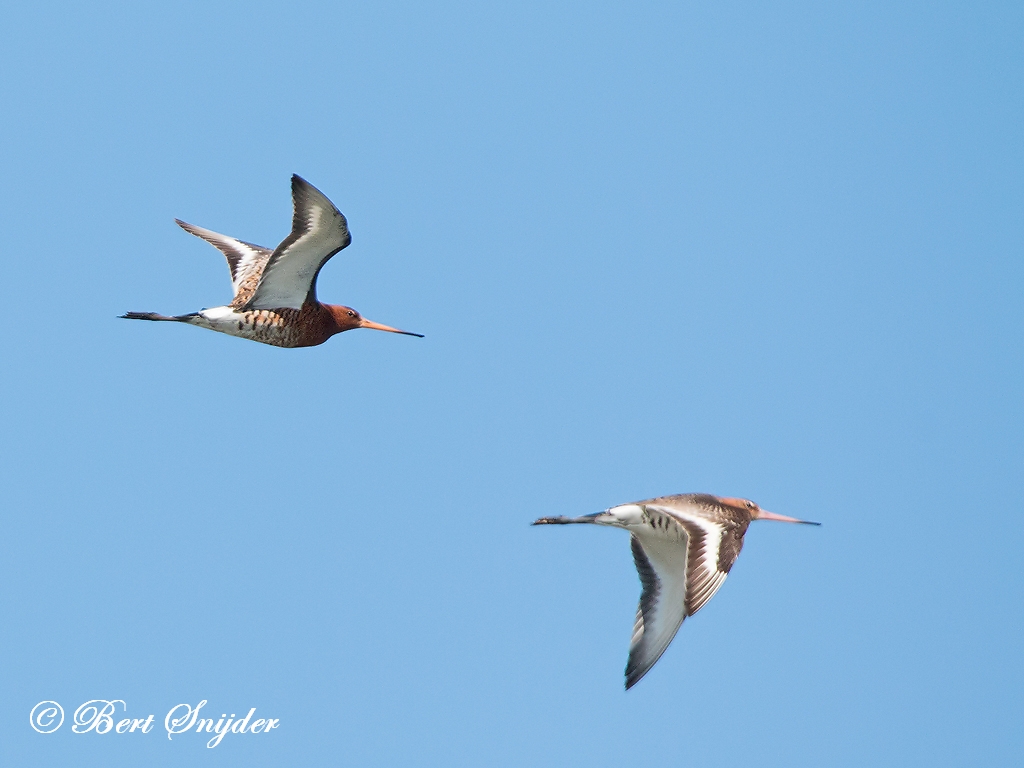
751, 505
351, 313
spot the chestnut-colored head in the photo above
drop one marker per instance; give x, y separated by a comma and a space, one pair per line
346, 318
756, 513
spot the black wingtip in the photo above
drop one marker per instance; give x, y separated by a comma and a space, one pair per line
632, 678
635, 673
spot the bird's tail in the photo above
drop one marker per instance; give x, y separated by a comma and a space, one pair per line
560, 520
155, 316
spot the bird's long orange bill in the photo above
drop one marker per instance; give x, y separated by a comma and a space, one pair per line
762, 515
364, 323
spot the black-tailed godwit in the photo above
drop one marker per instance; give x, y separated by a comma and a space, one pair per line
683, 547
275, 291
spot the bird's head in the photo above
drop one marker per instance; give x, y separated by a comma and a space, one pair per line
756, 513
346, 318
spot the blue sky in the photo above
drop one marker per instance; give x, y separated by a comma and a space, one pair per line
761, 250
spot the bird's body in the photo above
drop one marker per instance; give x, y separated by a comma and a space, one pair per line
683, 547
285, 327
275, 290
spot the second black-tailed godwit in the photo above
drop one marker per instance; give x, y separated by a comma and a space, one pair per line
275, 290
683, 547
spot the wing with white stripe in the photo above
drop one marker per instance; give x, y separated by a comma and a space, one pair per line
704, 573
245, 260
662, 566
319, 231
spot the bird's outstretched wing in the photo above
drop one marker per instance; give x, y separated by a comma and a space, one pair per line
245, 260
662, 569
677, 581
319, 231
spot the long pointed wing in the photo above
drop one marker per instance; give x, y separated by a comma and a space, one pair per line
319, 231
662, 569
678, 579
245, 260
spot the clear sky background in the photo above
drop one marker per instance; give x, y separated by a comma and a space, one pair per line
760, 250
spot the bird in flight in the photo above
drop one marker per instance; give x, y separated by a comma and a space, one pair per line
683, 547
275, 290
